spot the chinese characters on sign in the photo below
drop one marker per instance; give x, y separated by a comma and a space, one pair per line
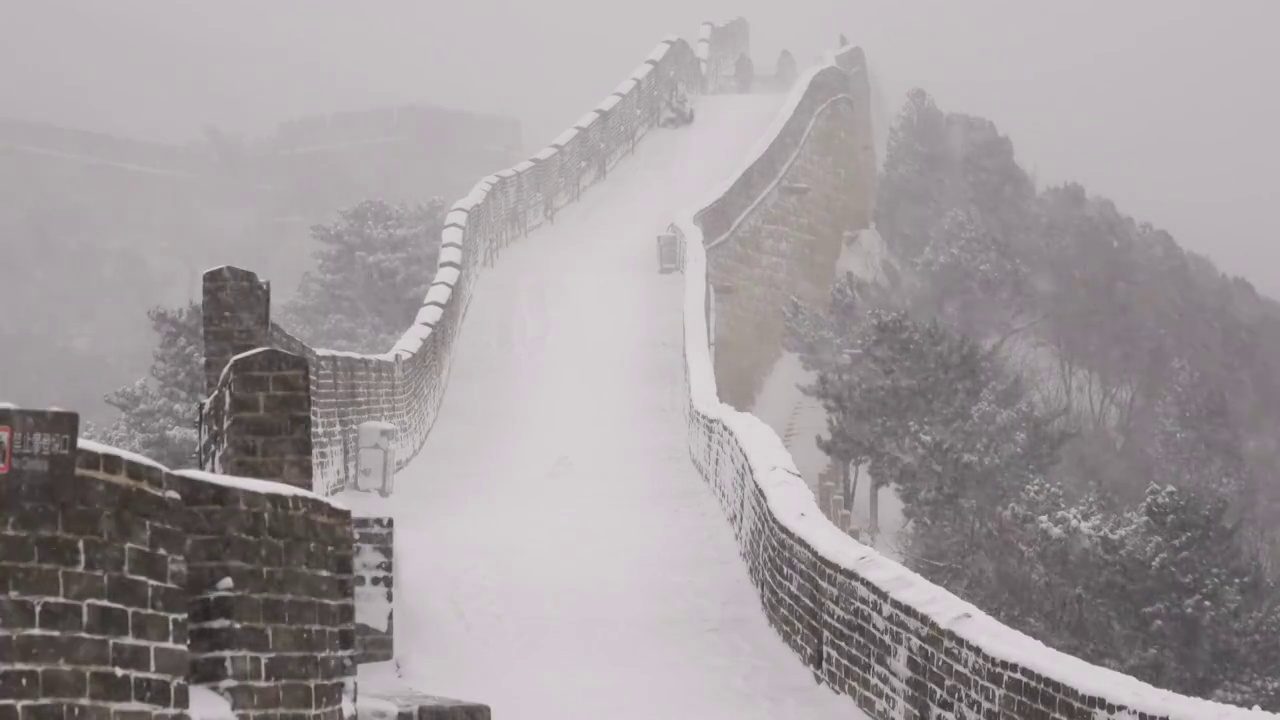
38, 443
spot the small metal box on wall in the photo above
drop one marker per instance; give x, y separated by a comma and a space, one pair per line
668, 253
375, 457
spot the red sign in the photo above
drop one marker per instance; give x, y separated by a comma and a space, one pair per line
6, 442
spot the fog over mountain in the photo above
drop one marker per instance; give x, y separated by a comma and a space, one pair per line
1160, 104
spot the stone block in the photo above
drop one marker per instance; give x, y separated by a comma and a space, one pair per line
420, 706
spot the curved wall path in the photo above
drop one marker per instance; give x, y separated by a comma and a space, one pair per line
559, 555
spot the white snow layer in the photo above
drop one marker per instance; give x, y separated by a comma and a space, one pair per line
266, 487
562, 557
209, 705
372, 708
365, 504
92, 446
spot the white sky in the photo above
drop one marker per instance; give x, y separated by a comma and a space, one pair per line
1167, 106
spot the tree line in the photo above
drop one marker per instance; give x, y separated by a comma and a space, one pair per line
1077, 414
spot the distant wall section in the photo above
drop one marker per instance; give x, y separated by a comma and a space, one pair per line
719, 46
778, 231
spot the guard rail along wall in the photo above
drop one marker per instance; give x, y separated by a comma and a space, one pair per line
866, 626
405, 385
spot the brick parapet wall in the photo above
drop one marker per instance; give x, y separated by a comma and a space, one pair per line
777, 232
374, 588
405, 385
112, 600
270, 589
235, 317
92, 593
258, 420
898, 645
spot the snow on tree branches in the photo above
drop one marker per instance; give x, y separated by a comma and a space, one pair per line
373, 268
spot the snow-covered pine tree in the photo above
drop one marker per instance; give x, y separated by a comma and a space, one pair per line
971, 279
158, 413
912, 188
373, 269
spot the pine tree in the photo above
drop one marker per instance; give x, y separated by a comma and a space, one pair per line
1140, 551
158, 413
971, 279
912, 185
1181, 582
373, 269
932, 414
823, 341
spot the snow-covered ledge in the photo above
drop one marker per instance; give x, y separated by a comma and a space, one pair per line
868, 627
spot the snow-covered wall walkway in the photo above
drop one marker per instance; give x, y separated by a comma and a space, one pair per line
406, 384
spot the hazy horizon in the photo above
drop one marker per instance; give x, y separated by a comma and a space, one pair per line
1157, 105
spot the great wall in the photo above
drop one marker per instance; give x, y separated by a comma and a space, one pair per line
210, 581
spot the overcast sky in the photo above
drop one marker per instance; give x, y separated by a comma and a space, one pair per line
1167, 106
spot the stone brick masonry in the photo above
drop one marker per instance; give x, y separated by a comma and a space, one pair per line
257, 420
113, 598
270, 594
778, 232
236, 318
419, 706
375, 594
867, 627
93, 621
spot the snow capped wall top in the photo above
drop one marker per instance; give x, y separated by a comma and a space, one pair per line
266, 487
254, 485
